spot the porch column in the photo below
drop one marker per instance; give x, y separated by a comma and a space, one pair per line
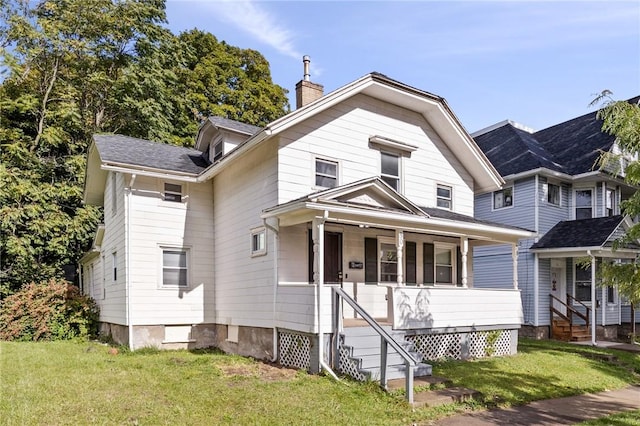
514, 256
464, 251
317, 234
400, 254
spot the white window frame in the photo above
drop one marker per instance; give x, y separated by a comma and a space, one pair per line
609, 199
392, 242
575, 284
316, 173
399, 176
439, 198
493, 198
181, 249
575, 204
452, 248
168, 194
557, 185
258, 235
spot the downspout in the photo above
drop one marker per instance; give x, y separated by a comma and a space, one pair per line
320, 288
127, 239
276, 238
536, 263
593, 297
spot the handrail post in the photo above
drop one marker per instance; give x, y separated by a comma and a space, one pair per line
408, 386
551, 314
337, 315
383, 362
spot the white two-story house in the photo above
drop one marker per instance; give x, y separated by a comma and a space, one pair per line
271, 242
556, 187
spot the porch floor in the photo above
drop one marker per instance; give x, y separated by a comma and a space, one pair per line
359, 322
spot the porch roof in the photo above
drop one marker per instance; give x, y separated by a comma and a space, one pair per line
573, 238
373, 203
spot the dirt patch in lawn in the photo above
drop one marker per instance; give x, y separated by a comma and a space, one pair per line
269, 372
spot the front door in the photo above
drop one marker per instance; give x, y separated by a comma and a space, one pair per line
559, 289
332, 258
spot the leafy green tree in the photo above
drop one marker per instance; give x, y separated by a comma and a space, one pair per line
622, 119
72, 68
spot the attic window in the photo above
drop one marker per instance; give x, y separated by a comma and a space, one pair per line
444, 199
173, 192
326, 173
217, 151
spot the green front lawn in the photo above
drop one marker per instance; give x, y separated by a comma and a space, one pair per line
82, 383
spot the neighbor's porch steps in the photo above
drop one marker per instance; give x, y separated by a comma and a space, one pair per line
561, 330
363, 344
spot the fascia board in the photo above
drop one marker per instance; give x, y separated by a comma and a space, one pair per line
155, 173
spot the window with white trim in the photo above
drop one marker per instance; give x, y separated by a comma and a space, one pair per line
388, 260
444, 261
611, 295
390, 169
584, 203
172, 192
326, 173
444, 197
582, 288
609, 202
175, 269
503, 198
258, 241
553, 194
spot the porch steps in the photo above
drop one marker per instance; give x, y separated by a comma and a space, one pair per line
363, 345
561, 330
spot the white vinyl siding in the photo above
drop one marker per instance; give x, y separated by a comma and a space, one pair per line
160, 225
347, 128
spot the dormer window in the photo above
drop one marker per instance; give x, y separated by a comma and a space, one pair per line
217, 151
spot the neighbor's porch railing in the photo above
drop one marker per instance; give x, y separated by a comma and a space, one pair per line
385, 341
570, 311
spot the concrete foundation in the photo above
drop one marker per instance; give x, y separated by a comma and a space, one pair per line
196, 336
251, 341
534, 332
607, 332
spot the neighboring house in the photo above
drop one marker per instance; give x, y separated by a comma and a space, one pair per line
219, 245
555, 186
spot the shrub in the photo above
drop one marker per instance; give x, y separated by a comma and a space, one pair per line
50, 310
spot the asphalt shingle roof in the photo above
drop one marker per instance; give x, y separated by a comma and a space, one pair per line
571, 147
227, 123
449, 215
579, 233
139, 152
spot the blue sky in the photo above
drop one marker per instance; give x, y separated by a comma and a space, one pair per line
537, 63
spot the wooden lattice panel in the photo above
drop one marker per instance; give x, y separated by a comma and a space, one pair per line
437, 346
295, 350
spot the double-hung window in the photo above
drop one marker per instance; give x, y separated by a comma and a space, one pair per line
609, 202
173, 192
388, 260
503, 198
443, 197
174, 267
444, 264
258, 241
326, 173
584, 205
553, 194
583, 283
390, 169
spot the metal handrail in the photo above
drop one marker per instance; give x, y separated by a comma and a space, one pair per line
385, 340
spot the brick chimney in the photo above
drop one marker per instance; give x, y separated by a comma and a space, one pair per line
306, 91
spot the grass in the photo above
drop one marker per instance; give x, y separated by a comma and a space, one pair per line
629, 418
82, 383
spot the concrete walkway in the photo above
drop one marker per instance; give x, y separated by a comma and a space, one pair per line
560, 411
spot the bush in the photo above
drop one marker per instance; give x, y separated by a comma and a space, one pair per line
50, 310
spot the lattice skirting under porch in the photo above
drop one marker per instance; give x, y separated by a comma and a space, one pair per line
294, 350
475, 344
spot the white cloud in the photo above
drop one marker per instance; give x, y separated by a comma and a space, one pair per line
250, 17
